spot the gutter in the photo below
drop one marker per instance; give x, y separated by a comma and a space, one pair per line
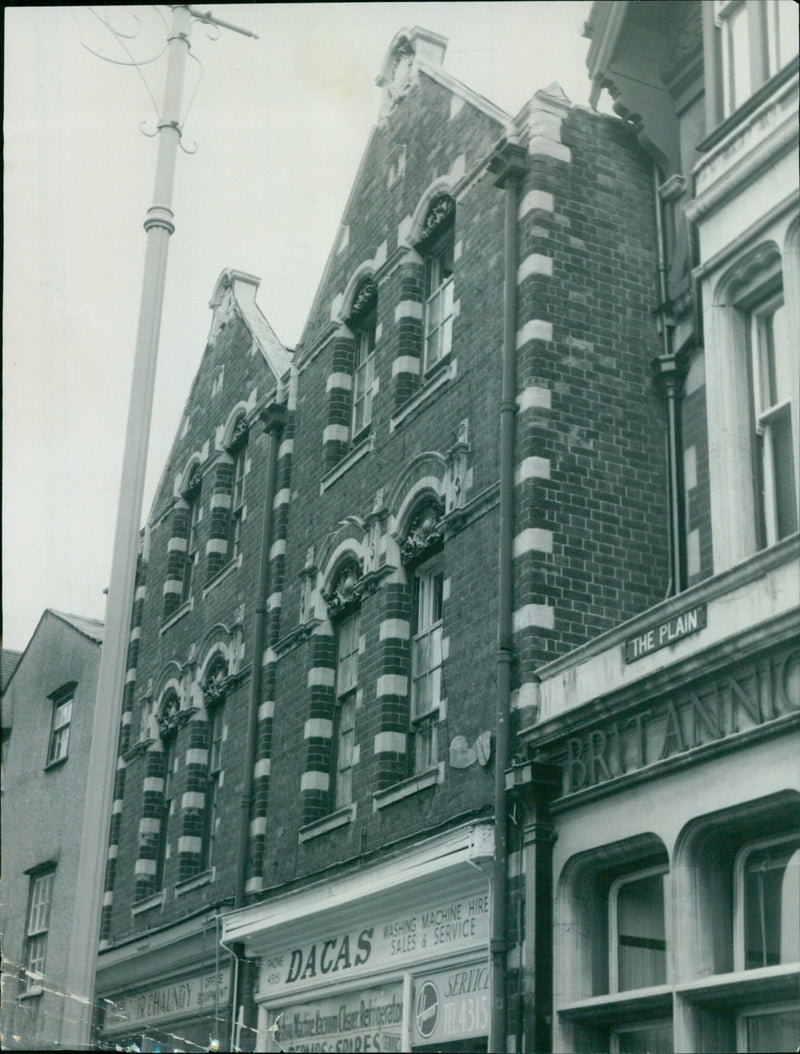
274, 419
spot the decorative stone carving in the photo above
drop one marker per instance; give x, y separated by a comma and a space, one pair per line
240, 432
439, 213
169, 716
364, 300
425, 532
193, 482
215, 686
456, 478
346, 591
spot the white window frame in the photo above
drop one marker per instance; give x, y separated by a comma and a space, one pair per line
169, 772
743, 73
216, 739
60, 726
37, 926
770, 409
427, 631
191, 546
345, 717
758, 1011
739, 892
364, 375
613, 925
439, 300
237, 498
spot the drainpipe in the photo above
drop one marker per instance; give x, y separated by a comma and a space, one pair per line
274, 419
508, 164
670, 373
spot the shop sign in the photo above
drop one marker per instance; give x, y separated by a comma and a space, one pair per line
451, 1004
448, 926
198, 994
370, 1020
738, 700
664, 633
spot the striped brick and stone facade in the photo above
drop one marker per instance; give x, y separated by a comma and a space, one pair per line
173, 852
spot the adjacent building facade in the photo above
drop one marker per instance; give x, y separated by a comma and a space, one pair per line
661, 778
47, 708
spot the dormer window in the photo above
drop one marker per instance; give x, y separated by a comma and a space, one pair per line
62, 719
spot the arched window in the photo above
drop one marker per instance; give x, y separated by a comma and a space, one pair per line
363, 322
343, 605
168, 719
214, 690
437, 246
422, 552
238, 450
192, 497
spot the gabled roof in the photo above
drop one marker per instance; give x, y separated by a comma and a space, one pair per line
243, 288
8, 663
88, 627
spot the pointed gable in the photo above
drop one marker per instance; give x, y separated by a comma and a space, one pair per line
243, 366
430, 127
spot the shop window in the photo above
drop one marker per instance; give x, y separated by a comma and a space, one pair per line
637, 941
213, 787
344, 722
755, 41
438, 249
60, 725
426, 662
768, 904
773, 393
769, 1029
40, 897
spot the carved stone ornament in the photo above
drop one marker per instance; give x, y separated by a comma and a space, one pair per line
215, 685
424, 533
169, 716
193, 482
346, 591
364, 301
239, 433
440, 212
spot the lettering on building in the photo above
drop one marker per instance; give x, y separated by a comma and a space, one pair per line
706, 711
665, 633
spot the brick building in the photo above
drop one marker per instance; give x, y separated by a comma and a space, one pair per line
374, 837
493, 476
659, 791
175, 831
47, 709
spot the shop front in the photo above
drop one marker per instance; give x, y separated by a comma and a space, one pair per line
389, 959
676, 859
167, 990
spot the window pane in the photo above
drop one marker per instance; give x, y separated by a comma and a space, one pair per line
736, 57
771, 1032
649, 1039
425, 747
641, 941
783, 474
772, 906
783, 33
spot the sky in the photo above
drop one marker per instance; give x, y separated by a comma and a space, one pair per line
277, 127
